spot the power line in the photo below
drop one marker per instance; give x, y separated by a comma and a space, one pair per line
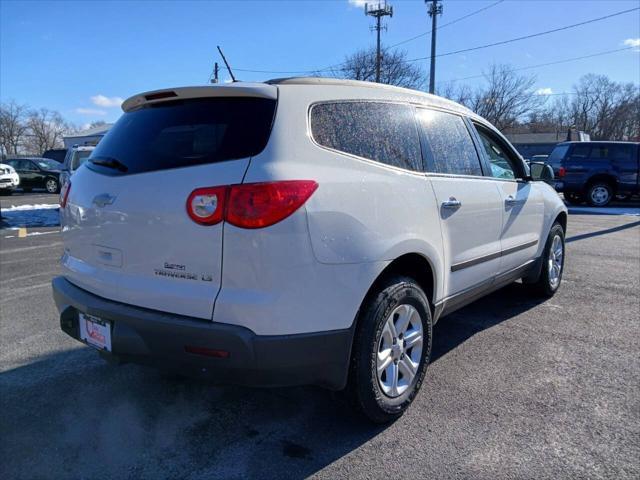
525, 37
479, 47
456, 20
556, 62
424, 34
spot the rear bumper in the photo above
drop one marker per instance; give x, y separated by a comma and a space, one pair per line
159, 339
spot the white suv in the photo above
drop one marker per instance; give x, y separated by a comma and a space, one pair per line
299, 231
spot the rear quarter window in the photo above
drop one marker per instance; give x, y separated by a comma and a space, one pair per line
384, 132
185, 133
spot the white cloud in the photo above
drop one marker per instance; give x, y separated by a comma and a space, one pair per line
632, 42
544, 91
108, 102
359, 3
90, 111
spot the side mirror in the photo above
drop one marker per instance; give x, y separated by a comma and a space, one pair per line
541, 172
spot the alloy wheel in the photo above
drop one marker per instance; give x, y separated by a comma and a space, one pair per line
555, 261
399, 350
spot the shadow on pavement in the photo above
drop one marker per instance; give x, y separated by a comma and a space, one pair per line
69, 415
606, 231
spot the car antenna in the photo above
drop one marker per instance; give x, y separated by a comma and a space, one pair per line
226, 63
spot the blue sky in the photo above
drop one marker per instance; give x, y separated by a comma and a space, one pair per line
80, 58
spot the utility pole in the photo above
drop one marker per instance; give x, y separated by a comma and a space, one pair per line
378, 12
215, 73
435, 9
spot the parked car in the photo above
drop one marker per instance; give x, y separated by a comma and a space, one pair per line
9, 179
75, 157
595, 172
57, 154
353, 216
37, 173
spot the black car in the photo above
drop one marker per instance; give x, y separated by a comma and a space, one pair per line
37, 173
596, 172
56, 154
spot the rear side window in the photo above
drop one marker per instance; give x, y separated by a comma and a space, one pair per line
450, 142
185, 133
383, 132
580, 152
619, 152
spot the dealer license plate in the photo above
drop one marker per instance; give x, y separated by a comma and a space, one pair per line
95, 331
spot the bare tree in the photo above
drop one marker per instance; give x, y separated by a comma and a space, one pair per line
13, 127
605, 109
507, 98
394, 68
46, 129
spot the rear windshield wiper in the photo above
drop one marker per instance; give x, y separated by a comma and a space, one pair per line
109, 162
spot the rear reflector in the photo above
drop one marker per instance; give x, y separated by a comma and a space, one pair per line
207, 352
64, 194
249, 205
562, 172
206, 205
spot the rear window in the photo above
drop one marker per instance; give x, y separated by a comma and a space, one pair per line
556, 156
79, 157
185, 133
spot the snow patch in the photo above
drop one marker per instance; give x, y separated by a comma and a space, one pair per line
38, 206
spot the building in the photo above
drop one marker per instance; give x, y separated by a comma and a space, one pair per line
90, 136
530, 144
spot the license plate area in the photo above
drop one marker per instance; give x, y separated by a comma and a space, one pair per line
95, 331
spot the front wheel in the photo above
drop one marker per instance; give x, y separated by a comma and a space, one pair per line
391, 350
52, 185
550, 277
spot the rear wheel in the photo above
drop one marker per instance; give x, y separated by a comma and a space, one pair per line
599, 194
391, 350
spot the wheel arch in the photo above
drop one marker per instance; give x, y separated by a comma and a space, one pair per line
413, 265
602, 177
562, 219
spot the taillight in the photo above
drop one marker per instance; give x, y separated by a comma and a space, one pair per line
64, 194
249, 205
561, 172
206, 205
258, 205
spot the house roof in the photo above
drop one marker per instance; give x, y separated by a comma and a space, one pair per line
91, 132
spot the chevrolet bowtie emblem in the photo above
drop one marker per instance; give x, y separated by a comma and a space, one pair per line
103, 199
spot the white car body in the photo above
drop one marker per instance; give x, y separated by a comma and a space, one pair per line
9, 179
128, 240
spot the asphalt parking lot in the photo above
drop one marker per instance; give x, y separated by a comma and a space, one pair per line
517, 388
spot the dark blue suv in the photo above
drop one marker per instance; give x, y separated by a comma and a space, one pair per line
596, 172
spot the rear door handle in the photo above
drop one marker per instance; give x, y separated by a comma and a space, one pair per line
452, 203
510, 200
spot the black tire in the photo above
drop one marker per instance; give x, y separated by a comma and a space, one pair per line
52, 185
364, 389
543, 285
599, 194
573, 198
